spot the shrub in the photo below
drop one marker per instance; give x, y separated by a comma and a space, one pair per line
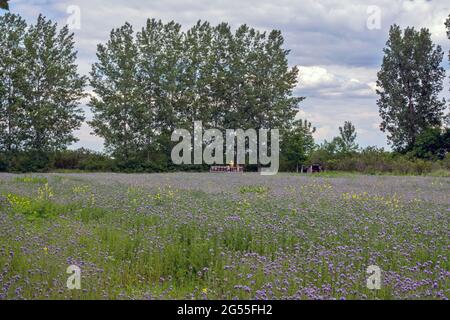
373, 161
253, 189
35, 207
30, 179
82, 159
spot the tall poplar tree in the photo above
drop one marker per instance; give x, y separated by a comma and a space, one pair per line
160, 71
198, 72
221, 78
117, 105
12, 78
410, 81
262, 81
52, 88
447, 24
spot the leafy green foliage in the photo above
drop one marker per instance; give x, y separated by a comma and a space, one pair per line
298, 143
253, 189
373, 160
149, 83
410, 81
53, 87
118, 112
432, 144
447, 24
347, 139
39, 85
12, 75
31, 161
32, 179
82, 159
34, 209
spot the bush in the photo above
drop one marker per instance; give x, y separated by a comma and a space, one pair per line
32, 180
374, 161
82, 159
4, 163
33, 161
432, 144
446, 162
370, 160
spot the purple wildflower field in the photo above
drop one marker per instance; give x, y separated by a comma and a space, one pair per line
223, 236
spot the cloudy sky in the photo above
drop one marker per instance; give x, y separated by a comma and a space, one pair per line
336, 43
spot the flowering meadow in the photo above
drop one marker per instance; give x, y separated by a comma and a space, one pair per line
223, 236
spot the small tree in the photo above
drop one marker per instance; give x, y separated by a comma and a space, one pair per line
347, 139
298, 142
432, 144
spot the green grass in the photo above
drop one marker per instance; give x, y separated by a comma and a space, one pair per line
31, 179
34, 209
73, 171
440, 173
253, 189
346, 174
333, 174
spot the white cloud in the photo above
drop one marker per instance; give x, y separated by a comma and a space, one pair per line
315, 77
86, 139
319, 81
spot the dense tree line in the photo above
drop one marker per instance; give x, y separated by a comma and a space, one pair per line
150, 82
40, 88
